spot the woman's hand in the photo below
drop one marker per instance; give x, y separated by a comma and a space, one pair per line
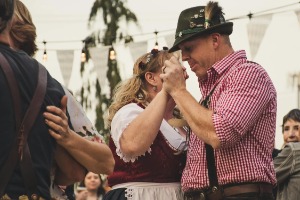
83, 195
57, 120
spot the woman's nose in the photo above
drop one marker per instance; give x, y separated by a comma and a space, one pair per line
292, 133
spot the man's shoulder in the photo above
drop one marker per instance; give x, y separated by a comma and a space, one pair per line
250, 65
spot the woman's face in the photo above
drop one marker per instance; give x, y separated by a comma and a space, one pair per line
291, 131
92, 181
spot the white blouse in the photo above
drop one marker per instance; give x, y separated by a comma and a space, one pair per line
124, 117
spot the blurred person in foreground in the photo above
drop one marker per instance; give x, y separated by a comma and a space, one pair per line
42, 154
287, 162
145, 146
233, 127
23, 37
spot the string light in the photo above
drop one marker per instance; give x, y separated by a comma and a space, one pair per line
156, 43
83, 52
112, 53
249, 16
45, 57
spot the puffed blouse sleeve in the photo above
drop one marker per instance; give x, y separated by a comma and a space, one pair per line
79, 120
126, 115
120, 121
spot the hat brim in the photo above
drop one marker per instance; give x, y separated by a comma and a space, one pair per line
225, 28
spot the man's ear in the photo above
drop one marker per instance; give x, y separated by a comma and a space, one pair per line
215, 38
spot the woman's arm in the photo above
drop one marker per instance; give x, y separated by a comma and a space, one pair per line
138, 136
95, 157
68, 170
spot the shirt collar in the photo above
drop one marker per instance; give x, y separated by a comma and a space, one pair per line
221, 66
218, 69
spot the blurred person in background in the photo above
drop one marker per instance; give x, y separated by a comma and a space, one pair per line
92, 188
287, 162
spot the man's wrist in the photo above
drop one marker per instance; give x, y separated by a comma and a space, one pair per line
178, 93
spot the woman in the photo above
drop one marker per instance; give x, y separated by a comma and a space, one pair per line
287, 162
143, 143
93, 185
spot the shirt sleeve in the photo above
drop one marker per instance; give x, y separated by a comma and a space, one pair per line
245, 95
283, 164
120, 121
79, 121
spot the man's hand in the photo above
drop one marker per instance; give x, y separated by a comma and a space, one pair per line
173, 76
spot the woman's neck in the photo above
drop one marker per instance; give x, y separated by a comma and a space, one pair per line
92, 195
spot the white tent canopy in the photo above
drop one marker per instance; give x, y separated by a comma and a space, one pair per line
271, 40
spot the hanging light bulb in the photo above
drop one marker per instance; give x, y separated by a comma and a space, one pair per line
112, 53
156, 43
83, 51
83, 55
45, 57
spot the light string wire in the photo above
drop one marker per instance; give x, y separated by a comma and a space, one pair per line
251, 15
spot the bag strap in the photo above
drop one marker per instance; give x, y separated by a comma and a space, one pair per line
20, 145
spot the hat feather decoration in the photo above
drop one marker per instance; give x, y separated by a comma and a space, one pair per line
212, 9
199, 21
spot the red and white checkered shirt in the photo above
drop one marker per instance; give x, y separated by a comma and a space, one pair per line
244, 105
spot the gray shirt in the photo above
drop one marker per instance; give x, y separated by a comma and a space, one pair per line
287, 168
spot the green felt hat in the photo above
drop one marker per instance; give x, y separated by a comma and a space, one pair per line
192, 23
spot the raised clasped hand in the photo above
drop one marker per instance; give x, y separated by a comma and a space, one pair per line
173, 75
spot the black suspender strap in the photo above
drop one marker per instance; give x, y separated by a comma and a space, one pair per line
210, 158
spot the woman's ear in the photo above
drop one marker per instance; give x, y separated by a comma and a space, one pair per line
150, 78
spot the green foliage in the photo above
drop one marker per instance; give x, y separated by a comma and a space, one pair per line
113, 13
113, 75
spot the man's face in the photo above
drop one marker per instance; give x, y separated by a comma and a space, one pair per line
291, 131
199, 53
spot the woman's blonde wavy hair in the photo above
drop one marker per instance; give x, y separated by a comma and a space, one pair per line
134, 88
23, 31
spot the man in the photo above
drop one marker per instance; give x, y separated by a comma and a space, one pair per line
42, 146
239, 124
287, 163
23, 35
